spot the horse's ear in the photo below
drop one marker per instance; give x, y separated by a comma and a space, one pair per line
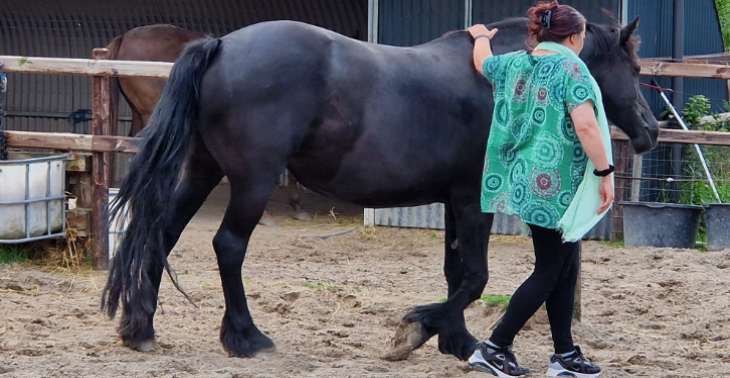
627, 30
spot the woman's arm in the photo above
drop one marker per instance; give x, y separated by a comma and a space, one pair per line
482, 44
586, 128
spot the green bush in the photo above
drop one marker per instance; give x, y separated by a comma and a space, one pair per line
698, 191
723, 13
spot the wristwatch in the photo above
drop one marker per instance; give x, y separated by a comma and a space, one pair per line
604, 173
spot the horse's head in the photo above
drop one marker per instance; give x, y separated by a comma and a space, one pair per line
610, 54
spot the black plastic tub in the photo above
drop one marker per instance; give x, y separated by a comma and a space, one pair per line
717, 217
664, 225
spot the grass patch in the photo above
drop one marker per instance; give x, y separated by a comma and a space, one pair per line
321, 286
616, 244
12, 253
501, 301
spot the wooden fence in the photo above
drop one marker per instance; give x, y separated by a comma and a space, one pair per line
101, 143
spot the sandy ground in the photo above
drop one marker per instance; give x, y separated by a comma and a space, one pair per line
332, 306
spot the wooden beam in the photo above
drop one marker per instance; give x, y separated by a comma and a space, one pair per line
101, 125
131, 68
714, 138
716, 58
696, 70
72, 142
87, 67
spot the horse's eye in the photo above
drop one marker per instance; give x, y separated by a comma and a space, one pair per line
637, 70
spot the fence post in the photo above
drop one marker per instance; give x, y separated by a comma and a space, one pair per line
101, 125
621, 163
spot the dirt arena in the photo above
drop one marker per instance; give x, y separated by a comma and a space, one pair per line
332, 306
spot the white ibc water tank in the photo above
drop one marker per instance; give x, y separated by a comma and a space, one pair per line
32, 204
117, 226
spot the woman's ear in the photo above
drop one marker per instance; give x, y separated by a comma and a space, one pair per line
573, 38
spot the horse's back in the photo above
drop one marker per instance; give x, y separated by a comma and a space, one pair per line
156, 43
346, 103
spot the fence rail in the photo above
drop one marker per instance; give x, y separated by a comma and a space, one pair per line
84, 67
131, 68
101, 144
72, 142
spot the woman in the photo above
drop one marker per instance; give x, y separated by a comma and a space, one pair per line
548, 155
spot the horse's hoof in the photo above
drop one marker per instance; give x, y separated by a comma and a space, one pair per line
267, 220
265, 353
302, 216
142, 346
409, 337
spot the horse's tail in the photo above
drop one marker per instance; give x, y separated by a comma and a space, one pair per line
147, 189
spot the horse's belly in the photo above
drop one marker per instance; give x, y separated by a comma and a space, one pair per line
375, 191
375, 177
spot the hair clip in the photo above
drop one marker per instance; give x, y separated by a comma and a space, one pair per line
546, 19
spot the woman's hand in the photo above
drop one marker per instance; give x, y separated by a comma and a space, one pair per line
480, 29
482, 50
606, 191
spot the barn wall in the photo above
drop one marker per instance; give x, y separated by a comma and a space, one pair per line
488, 11
73, 28
412, 22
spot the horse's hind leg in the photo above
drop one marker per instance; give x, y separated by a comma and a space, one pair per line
296, 204
201, 176
250, 189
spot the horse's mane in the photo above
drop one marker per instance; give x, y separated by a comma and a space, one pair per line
606, 37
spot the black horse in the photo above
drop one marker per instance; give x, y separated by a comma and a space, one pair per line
380, 126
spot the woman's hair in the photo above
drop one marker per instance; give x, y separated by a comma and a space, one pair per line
552, 22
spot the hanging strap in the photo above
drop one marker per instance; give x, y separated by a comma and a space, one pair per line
3, 136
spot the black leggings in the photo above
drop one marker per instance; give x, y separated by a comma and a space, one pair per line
553, 283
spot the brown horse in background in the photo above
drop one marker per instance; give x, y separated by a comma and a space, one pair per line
162, 43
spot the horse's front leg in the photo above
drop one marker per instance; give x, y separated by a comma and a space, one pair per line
447, 319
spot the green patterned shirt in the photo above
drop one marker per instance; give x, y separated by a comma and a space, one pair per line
534, 161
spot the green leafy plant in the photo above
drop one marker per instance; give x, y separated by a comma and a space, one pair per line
698, 191
723, 14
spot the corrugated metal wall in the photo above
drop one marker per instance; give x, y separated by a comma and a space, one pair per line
412, 22
72, 28
488, 11
702, 35
432, 216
